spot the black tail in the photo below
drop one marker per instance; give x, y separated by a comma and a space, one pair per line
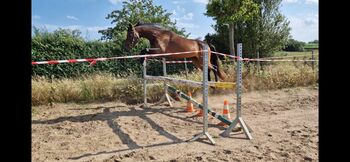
214, 60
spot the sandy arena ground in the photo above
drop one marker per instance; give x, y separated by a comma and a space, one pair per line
284, 123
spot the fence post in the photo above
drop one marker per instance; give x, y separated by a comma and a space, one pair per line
144, 82
312, 58
258, 62
186, 68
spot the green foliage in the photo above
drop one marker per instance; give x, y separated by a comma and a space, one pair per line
294, 45
134, 11
311, 46
267, 32
64, 44
227, 11
313, 42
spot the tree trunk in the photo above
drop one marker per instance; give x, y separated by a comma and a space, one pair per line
231, 37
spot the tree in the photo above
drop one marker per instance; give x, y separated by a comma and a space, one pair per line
314, 42
134, 11
269, 32
294, 45
265, 33
230, 12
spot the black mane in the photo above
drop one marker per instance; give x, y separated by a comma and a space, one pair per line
156, 25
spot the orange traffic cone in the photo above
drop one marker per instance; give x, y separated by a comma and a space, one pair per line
225, 113
189, 107
200, 114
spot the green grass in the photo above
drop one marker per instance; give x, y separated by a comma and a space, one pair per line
287, 53
311, 45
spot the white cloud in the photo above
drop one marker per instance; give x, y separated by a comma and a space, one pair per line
188, 16
71, 17
174, 13
186, 25
89, 32
311, 2
179, 2
51, 27
290, 1
36, 17
304, 28
115, 1
201, 1
181, 9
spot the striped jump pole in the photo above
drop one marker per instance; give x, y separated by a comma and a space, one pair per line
196, 104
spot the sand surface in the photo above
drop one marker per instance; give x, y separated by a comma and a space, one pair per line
284, 124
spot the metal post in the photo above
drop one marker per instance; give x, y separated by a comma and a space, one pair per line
166, 94
167, 97
312, 58
238, 118
144, 83
205, 91
186, 68
258, 62
205, 99
239, 79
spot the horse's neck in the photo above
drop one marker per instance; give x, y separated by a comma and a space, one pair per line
154, 37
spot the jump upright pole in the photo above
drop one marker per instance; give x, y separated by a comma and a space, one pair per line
145, 83
238, 118
166, 95
205, 98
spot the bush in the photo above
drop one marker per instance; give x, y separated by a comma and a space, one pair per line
294, 45
65, 44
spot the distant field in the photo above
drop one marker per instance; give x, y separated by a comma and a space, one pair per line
311, 46
286, 53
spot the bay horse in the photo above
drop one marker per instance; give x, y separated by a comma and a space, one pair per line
166, 41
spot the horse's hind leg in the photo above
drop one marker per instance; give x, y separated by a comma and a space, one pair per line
199, 65
211, 67
196, 63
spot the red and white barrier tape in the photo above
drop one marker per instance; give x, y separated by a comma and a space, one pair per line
93, 60
172, 61
249, 59
177, 62
281, 57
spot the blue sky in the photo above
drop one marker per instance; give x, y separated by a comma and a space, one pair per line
89, 16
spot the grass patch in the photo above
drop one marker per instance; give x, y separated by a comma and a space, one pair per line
107, 87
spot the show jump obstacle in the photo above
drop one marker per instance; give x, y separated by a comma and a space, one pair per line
205, 85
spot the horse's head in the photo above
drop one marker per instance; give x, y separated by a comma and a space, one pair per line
132, 38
